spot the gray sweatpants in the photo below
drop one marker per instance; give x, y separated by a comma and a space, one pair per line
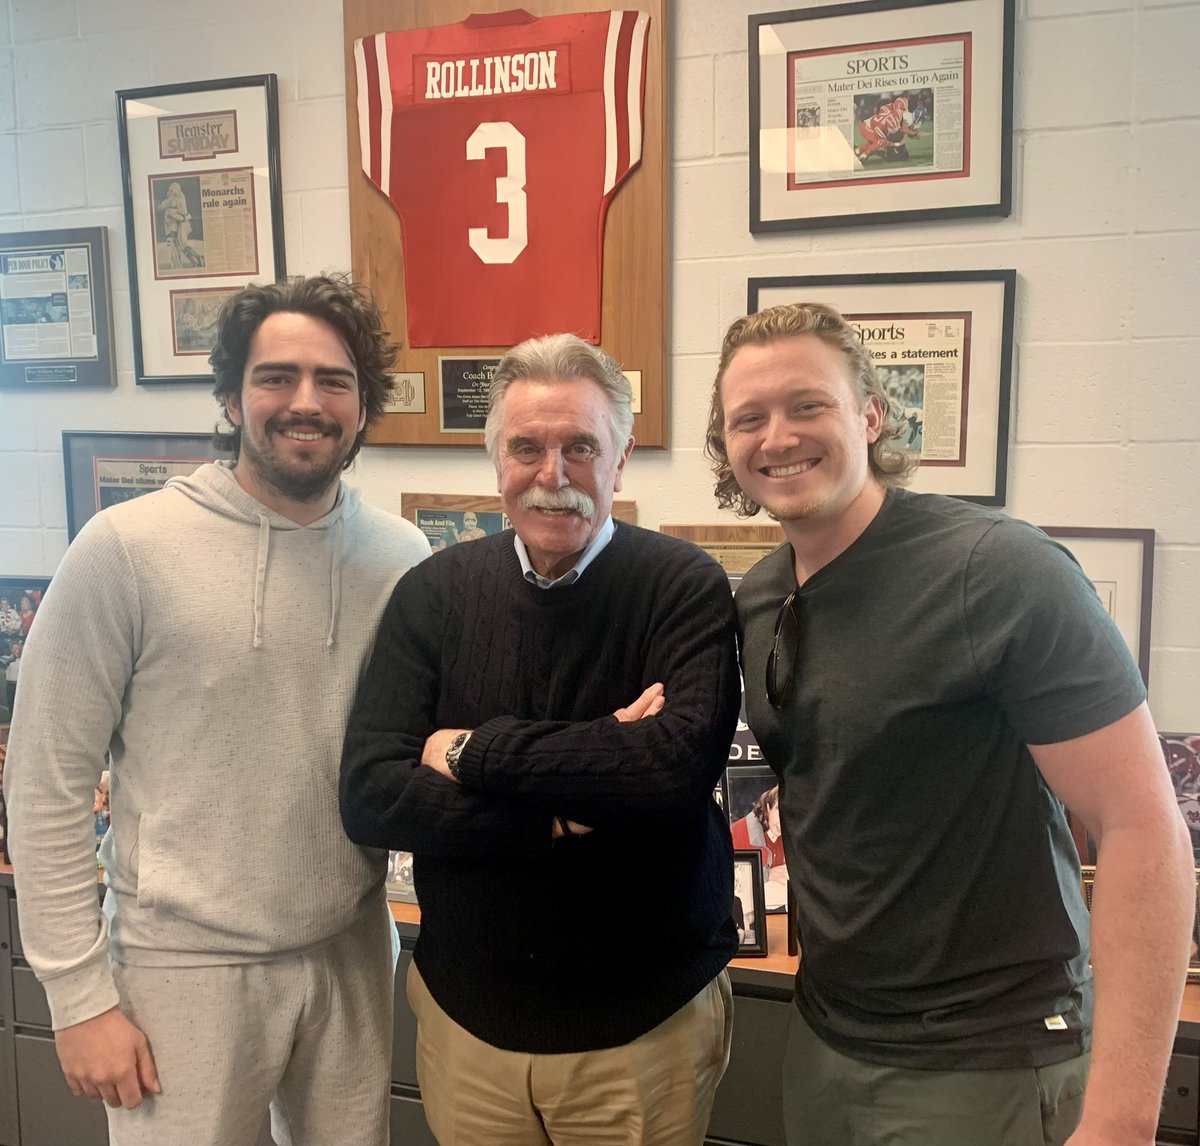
309, 1034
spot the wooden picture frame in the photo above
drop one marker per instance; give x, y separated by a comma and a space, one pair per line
56, 322
736, 548
439, 398
102, 468
1120, 563
889, 111
749, 903
948, 332
203, 212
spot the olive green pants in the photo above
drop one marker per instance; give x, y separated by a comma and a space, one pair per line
830, 1099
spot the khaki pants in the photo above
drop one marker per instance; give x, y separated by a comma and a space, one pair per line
655, 1091
309, 1035
830, 1099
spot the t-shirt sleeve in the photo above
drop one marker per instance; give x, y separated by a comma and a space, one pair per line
1043, 644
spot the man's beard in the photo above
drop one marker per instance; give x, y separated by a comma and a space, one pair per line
566, 498
303, 481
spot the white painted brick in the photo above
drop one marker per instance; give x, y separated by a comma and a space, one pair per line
1162, 391
691, 390
320, 63
54, 548
1166, 286
1073, 392
44, 20
118, 61
1081, 182
733, 123
1035, 9
709, 210
250, 43
326, 222
313, 144
1164, 494
706, 29
1175, 614
10, 190
18, 421
103, 165
8, 105
1067, 485
5, 34
51, 81
1165, 190
1173, 696
52, 491
1074, 72
130, 15
52, 173
1164, 65
19, 480
1073, 290
21, 552
694, 316
692, 103
293, 232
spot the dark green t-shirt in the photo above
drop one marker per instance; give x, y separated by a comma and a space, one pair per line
936, 880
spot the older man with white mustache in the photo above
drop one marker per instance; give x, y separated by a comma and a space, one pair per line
542, 723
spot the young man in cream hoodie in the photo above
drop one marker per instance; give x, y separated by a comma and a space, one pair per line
209, 637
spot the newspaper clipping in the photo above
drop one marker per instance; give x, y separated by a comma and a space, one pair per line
204, 224
46, 307
194, 318
203, 136
888, 110
923, 361
123, 479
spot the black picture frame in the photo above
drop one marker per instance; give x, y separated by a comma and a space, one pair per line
196, 156
93, 461
962, 324
820, 79
749, 903
15, 622
60, 333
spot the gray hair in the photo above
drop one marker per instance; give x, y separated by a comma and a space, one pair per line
561, 358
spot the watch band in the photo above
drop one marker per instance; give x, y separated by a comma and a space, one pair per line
454, 753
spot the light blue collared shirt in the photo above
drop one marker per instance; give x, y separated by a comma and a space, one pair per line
571, 575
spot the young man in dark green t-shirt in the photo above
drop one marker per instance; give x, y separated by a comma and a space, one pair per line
933, 682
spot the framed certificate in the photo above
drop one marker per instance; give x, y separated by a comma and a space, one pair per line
203, 212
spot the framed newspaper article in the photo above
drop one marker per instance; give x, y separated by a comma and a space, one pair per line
56, 309
203, 212
880, 112
102, 469
1120, 563
942, 342
1181, 751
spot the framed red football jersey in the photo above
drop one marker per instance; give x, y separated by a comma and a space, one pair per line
499, 142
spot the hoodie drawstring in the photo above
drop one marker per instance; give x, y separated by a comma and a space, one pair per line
260, 576
335, 581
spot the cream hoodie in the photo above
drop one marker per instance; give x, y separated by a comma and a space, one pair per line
213, 648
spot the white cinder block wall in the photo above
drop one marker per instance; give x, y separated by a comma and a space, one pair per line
1105, 234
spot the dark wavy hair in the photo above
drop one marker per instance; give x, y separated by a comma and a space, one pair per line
889, 464
334, 299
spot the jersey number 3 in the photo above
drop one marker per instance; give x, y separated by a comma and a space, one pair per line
510, 190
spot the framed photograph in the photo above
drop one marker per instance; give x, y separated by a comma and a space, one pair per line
1088, 875
883, 112
942, 342
102, 469
20, 599
1120, 563
736, 548
749, 914
203, 212
56, 326
399, 884
752, 804
449, 518
1181, 750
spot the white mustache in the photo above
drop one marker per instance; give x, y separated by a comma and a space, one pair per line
566, 498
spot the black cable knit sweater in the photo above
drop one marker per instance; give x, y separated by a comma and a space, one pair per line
591, 941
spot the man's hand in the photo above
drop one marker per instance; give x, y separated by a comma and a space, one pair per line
108, 1057
572, 828
650, 703
433, 755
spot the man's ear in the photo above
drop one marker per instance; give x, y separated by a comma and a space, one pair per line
619, 476
233, 409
